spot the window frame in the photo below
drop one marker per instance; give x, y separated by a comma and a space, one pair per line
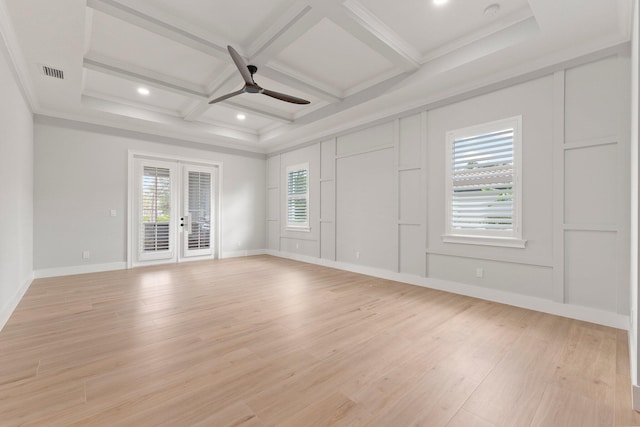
506, 238
297, 226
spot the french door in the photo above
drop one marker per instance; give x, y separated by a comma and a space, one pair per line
173, 212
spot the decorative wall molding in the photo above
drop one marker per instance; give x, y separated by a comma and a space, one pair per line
79, 269
518, 300
237, 254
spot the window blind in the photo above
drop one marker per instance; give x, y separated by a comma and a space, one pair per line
482, 182
156, 208
297, 197
199, 200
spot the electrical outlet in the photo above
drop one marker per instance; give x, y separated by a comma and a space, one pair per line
357, 254
479, 272
113, 212
86, 254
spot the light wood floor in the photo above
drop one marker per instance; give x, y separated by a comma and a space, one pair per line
263, 341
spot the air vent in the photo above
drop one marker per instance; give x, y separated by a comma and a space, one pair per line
53, 72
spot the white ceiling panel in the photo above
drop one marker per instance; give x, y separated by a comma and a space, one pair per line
124, 42
329, 54
236, 22
112, 88
429, 27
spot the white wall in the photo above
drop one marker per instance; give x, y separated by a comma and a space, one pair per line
383, 205
81, 174
16, 191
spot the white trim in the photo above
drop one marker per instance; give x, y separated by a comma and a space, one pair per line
304, 229
135, 154
366, 150
537, 262
509, 238
588, 143
79, 269
249, 252
506, 242
635, 397
306, 226
210, 252
140, 257
586, 314
557, 194
10, 306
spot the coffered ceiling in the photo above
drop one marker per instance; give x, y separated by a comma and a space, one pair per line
353, 59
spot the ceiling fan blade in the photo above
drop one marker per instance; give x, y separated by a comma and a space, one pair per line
284, 97
229, 95
242, 67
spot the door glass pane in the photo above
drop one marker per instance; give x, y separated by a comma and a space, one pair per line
199, 210
155, 208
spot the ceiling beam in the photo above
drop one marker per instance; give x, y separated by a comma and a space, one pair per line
220, 85
170, 123
358, 21
269, 114
296, 21
299, 19
290, 78
291, 25
151, 78
158, 26
349, 102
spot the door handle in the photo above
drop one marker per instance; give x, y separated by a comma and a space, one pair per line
189, 226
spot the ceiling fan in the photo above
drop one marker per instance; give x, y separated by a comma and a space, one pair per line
250, 86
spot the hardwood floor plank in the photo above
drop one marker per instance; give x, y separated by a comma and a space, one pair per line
432, 401
335, 410
511, 393
563, 408
467, 419
236, 415
263, 341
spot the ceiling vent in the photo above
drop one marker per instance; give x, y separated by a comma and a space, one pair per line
53, 72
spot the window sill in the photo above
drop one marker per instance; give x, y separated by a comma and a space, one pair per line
303, 229
507, 242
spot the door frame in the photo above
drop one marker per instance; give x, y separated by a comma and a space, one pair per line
131, 181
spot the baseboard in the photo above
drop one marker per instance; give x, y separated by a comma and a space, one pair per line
635, 397
10, 306
79, 269
236, 254
586, 314
97, 268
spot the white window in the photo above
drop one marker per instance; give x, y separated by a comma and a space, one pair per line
298, 196
483, 191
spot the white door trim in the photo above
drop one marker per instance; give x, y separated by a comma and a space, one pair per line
135, 154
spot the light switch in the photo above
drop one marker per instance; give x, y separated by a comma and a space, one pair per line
113, 212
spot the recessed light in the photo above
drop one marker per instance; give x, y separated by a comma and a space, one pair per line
241, 116
143, 91
440, 2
